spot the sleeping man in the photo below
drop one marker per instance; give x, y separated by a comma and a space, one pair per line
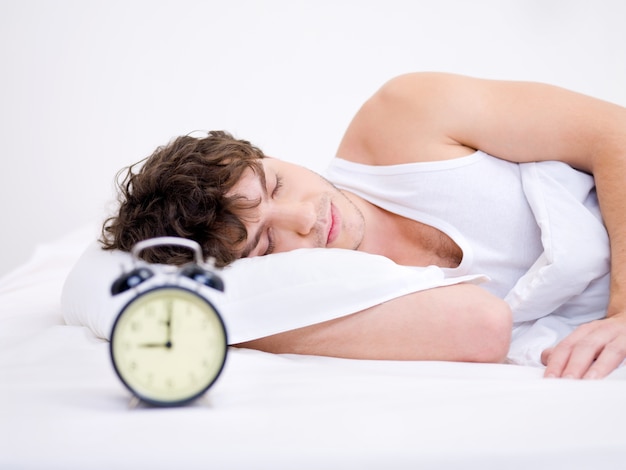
522, 182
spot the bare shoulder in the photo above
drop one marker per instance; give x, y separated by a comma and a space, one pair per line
404, 122
421, 117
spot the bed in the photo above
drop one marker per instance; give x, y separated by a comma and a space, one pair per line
62, 406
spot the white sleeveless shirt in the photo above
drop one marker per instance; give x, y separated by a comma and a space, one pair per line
502, 243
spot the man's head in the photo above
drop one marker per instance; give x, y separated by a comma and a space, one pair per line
231, 199
182, 190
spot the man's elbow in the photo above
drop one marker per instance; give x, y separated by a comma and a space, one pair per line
496, 333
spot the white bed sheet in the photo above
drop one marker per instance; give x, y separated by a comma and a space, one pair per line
61, 405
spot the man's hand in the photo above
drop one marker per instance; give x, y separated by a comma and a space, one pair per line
592, 351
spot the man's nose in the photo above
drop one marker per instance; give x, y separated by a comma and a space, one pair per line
299, 217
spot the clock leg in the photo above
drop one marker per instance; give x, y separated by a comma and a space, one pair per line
133, 403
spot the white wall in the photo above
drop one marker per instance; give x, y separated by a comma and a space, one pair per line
90, 86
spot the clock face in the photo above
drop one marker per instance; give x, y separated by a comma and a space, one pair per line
168, 345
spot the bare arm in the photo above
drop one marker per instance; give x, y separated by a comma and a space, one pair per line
455, 323
421, 117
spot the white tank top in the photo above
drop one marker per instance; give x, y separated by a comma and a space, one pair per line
447, 195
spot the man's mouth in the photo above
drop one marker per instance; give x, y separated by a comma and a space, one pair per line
333, 225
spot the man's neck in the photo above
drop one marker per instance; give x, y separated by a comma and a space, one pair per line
404, 240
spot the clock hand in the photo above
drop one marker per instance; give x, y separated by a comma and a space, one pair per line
156, 345
169, 324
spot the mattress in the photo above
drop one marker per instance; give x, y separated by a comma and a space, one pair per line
62, 406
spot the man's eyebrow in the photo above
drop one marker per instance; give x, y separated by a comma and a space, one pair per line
254, 241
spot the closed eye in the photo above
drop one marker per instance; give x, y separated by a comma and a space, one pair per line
270, 239
278, 186
270, 243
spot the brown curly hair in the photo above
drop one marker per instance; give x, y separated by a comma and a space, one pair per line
181, 190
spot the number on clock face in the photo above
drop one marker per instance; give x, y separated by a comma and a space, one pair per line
168, 345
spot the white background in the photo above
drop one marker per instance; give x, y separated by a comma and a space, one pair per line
88, 87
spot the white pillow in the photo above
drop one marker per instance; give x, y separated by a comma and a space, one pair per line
264, 295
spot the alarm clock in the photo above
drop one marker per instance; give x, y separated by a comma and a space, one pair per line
168, 342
